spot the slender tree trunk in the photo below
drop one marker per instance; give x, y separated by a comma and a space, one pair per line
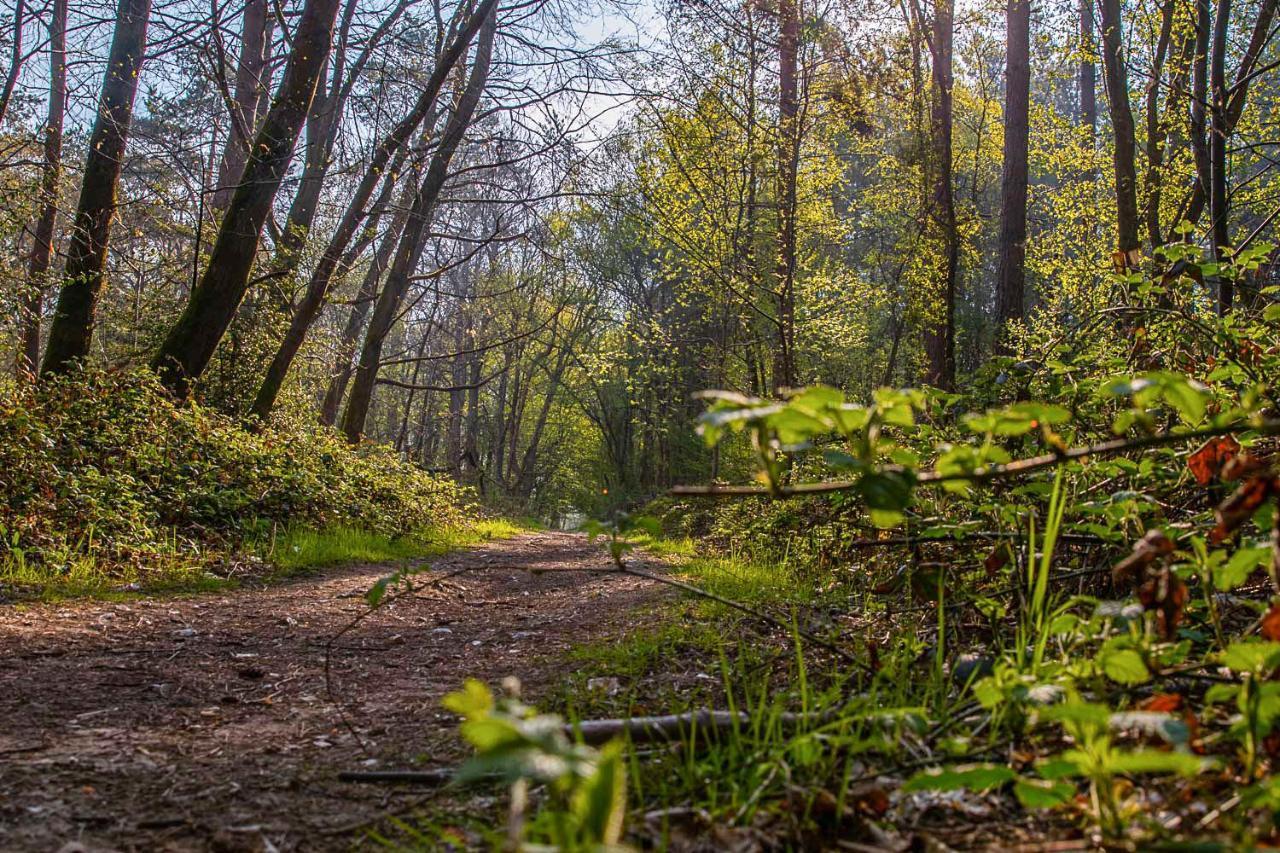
330, 264
1088, 72
411, 241
940, 341
15, 58
50, 178
1219, 212
251, 86
1013, 182
186, 351
359, 313
72, 329
1238, 95
784, 370
1155, 132
1126, 176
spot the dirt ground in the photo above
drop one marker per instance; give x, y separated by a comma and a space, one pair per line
205, 723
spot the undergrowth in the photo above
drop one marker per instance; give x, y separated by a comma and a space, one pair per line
108, 486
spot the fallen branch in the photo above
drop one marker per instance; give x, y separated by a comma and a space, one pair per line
986, 473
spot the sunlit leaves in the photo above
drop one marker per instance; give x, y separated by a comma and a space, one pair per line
1186, 396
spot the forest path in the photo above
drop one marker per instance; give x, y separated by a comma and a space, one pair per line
204, 723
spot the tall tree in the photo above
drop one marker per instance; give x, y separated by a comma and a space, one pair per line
1013, 182
330, 263
245, 107
73, 319
784, 371
940, 333
1219, 133
409, 250
1087, 74
186, 351
50, 178
1116, 76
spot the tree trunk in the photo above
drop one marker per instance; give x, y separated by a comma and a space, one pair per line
940, 341
1013, 182
186, 352
50, 178
1116, 76
1155, 132
72, 329
331, 261
360, 306
1218, 136
411, 241
784, 371
251, 86
1088, 72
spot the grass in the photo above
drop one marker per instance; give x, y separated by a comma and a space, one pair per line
293, 551
299, 549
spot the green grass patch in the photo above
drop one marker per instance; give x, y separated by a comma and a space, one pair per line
299, 549
296, 550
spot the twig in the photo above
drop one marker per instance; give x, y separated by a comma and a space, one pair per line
688, 587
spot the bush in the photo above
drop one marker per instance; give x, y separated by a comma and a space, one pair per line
106, 464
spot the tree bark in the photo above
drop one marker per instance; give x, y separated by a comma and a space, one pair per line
1155, 131
784, 371
50, 178
393, 145
411, 241
1013, 181
73, 319
360, 306
186, 351
251, 85
1088, 72
940, 341
1116, 76
1218, 136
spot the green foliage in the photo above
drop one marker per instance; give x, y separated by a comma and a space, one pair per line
103, 467
518, 746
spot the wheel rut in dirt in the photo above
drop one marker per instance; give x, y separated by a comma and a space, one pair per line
204, 723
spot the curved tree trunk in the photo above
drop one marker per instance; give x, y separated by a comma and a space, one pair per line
186, 351
51, 176
411, 241
72, 329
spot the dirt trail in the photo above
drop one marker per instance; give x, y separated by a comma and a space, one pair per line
203, 723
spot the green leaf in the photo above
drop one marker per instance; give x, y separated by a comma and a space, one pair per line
1153, 761
1043, 793
888, 490
473, 701
1252, 656
601, 802
378, 591
1124, 666
1237, 570
489, 733
974, 777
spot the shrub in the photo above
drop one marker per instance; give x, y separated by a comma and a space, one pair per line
106, 464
